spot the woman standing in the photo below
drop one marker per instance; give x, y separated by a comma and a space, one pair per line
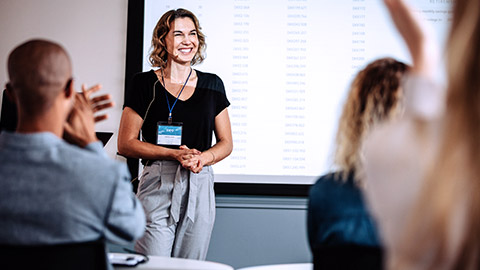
176, 108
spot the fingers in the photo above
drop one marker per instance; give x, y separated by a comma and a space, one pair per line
189, 163
102, 98
194, 165
190, 153
98, 107
190, 159
193, 151
81, 102
101, 117
187, 156
196, 169
91, 90
79, 128
101, 102
68, 128
98, 103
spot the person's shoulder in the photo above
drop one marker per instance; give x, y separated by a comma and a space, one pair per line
211, 81
207, 75
333, 180
322, 186
149, 73
145, 76
141, 82
336, 195
333, 184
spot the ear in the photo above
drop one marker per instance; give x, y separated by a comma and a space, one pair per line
9, 92
69, 89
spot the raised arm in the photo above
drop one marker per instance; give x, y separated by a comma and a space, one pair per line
420, 42
424, 100
397, 153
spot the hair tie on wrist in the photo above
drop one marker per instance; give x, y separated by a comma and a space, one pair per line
213, 156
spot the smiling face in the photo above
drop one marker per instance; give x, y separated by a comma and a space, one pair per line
182, 41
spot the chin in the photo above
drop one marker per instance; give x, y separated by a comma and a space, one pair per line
184, 61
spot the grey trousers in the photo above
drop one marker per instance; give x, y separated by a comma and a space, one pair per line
180, 210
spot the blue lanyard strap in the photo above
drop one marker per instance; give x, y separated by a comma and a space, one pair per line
170, 109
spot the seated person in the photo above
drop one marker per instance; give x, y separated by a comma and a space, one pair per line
337, 215
54, 192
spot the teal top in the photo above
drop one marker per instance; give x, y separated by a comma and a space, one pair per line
337, 214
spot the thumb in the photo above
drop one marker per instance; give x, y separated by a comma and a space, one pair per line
68, 128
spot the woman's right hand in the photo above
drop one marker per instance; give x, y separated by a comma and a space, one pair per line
422, 46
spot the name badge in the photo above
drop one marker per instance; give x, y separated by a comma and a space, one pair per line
169, 134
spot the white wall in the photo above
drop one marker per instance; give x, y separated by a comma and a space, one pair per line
92, 31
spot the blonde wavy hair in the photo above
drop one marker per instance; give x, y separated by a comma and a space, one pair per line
451, 190
158, 56
374, 97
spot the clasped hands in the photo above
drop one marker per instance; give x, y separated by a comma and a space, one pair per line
80, 126
191, 159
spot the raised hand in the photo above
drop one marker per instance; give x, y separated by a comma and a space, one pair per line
97, 103
80, 126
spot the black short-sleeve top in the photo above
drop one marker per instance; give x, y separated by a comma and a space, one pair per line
196, 113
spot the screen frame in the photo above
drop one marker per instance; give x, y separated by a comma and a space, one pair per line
133, 64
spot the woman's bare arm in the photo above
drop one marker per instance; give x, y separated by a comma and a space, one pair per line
223, 147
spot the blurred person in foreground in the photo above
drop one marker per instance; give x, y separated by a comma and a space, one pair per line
423, 169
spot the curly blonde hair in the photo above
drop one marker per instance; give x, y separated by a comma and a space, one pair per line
374, 97
158, 56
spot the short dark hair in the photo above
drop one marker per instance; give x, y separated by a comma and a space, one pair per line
38, 70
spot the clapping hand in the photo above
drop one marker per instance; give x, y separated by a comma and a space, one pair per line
97, 103
80, 126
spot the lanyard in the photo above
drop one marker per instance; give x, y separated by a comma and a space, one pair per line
170, 109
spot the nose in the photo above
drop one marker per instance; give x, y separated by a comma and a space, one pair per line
186, 39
